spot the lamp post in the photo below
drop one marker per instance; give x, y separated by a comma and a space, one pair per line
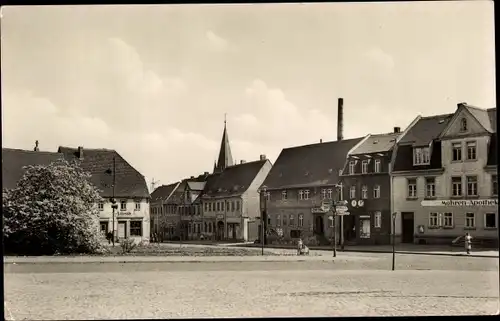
113, 200
263, 215
393, 240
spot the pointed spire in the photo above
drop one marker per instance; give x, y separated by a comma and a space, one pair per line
225, 155
215, 166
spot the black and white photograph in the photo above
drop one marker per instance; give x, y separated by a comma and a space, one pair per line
249, 160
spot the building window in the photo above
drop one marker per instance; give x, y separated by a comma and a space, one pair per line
135, 228
218, 206
100, 206
448, 220
306, 194
283, 195
463, 125
301, 195
421, 156
323, 193
329, 193
471, 151
364, 167
378, 219
284, 220
471, 185
104, 228
206, 207
352, 192
237, 205
412, 187
430, 187
222, 204
470, 220
352, 164
490, 220
137, 205
292, 219
123, 205
494, 185
301, 220
377, 166
433, 220
278, 220
268, 196
456, 152
364, 192
456, 186
376, 191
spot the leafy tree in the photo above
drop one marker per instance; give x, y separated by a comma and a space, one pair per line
53, 209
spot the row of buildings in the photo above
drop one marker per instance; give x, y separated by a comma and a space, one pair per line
429, 183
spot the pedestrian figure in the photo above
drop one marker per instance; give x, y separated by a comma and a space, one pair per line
300, 244
109, 237
468, 242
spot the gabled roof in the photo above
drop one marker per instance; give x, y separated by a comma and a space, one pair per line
196, 186
493, 150
13, 161
484, 116
129, 182
376, 144
162, 193
310, 165
426, 129
234, 180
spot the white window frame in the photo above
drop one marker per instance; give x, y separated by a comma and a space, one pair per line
473, 184
456, 146
364, 192
471, 146
496, 220
284, 195
301, 195
329, 193
364, 166
430, 182
457, 184
463, 125
301, 220
470, 219
100, 206
494, 181
306, 194
138, 206
450, 217
410, 190
421, 156
377, 166
377, 219
123, 205
323, 193
352, 192
433, 219
376, 191
291, 220
352, 167
278, 220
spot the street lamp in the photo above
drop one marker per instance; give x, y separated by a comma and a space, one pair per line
334, 217
263, 215
113, 200
393, 240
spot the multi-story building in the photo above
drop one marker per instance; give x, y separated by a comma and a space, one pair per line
366, 182
444, 178
159, 200
132, 219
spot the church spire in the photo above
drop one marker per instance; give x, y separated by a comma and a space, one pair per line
225, 156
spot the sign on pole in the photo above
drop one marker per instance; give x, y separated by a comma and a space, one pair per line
326, 206
343, 213
341, 208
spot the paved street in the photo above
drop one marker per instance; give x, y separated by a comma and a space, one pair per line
349, 286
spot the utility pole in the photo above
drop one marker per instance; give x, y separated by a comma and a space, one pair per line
113, 200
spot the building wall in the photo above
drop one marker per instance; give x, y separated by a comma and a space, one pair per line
251, 197
130, 214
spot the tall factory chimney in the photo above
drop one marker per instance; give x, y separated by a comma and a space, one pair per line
340, 119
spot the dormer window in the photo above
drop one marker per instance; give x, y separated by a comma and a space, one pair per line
351, 167
463, 125
283, 195
421, 156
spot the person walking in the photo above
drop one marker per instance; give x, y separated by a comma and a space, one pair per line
300, 244
468, 242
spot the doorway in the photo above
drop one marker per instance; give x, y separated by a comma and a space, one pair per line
220, 230
104, 228
121, 230
349, 228
407, 228
319, 225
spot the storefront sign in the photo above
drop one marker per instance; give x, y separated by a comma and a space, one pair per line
460, 203
124, 213
317, 210
220, 216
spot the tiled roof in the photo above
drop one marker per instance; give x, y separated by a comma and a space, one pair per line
492, 115
493, 150
486, 117
310, 165
377, 144
13, 161
426, 129
234, 180
196, 186
177, 195
129, 182
163, 192
404, 158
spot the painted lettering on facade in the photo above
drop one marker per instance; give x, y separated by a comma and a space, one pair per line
464, 203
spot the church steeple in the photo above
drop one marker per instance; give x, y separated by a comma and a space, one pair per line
225, 156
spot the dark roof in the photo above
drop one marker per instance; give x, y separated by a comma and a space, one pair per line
13, 161
426, 129
310, 165
234, 180
404, 158
492, 114
377, 144
196, 186
163, 192
484, 117
129, 182
492, 150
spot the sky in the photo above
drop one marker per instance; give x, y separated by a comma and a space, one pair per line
154, 82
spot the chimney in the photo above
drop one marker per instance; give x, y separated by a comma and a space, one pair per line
320, 140
462, 104
192, 177
242, 161
206, 173
340, 119
262, 157
397, 129
36, 149
80, 152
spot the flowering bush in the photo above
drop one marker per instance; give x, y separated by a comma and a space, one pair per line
52, 210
